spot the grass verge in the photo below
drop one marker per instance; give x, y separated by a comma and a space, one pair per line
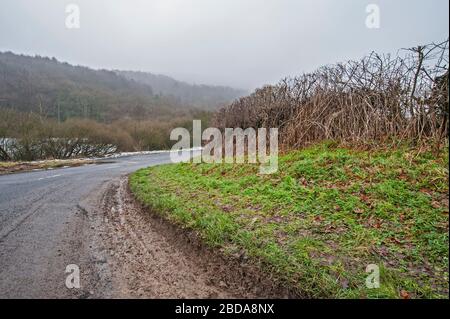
325, 216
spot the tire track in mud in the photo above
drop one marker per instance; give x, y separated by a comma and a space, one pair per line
150, 258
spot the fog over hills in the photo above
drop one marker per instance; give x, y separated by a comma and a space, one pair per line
191, 94
59, 90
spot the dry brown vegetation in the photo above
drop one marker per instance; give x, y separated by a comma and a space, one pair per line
28, 136
377, 99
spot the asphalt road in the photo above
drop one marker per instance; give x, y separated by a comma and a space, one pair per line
42, 228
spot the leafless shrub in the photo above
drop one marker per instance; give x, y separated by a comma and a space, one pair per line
27, 136
376, 99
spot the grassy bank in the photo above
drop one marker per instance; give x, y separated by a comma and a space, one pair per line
317, 223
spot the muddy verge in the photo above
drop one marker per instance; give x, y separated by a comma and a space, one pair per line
152, 258
17, 167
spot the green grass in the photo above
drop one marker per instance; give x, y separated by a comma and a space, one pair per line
317, 223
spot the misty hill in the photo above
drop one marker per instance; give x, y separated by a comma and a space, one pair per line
203, 96
57, 89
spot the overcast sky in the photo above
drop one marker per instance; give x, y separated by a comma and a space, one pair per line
241, 43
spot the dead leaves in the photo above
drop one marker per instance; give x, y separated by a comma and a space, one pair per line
318, 219
377, 225
404, 294
435, 204
395, 240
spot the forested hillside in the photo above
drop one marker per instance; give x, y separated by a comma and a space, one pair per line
51, 109
202, 96
59, 90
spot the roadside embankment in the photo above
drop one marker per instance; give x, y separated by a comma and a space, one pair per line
326, 215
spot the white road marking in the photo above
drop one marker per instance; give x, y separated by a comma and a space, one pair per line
112, 166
